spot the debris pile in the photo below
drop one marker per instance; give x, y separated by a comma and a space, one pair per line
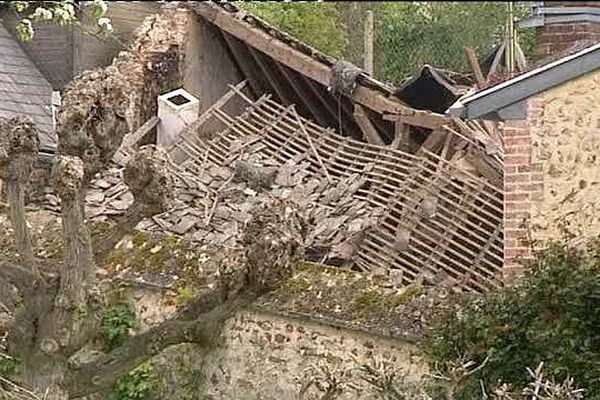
215, 204
374, 208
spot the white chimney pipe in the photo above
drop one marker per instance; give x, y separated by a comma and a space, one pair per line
176, 110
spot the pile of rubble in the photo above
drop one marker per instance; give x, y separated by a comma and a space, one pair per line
214, 204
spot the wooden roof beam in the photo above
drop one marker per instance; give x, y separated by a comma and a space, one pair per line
300, 62
428, 120
345, 126
241, 62
309, 103
280, 91
369, 131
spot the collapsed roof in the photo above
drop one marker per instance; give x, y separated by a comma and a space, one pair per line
422, 198
338, 95
373, 208
273, 61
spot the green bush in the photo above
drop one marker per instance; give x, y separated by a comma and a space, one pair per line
9, 366
140, 383
410, 34
317, 24
551, 315
116, 324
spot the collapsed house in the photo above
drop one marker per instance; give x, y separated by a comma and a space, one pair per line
393, 185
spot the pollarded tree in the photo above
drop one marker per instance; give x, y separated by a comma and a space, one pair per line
56, 326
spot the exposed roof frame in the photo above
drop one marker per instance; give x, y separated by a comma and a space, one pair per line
506, 100
306, 65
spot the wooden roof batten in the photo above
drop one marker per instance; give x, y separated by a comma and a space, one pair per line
375, 96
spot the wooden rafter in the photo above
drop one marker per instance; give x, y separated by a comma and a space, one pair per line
306, 65
365, 124
307, 99
429, 120
343, 119
235, 47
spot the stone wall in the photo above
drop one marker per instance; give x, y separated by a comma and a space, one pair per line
552, 172
268, 357
266, 354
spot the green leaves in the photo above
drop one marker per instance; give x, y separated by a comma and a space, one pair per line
105, 25
9, 365
20, 6
99, 9
64, 12
42, 14
116, 324
551, 315
138, 384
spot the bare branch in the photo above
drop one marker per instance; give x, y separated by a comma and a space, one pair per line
92, 121
16, 275
152, 187
273, 245
203, 331
78, 268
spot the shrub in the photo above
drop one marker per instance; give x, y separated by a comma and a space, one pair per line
116, 324
9, 365
139, 384
552, 315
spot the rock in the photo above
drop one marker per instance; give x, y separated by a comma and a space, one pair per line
185, 224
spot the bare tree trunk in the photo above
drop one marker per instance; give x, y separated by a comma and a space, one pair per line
18, 150
77, 271
78, 268
15, 195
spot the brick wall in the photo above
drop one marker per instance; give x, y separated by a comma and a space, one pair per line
518, 186
552, 170
554, 39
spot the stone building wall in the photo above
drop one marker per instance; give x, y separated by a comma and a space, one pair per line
552, 169
268, 357
266, 354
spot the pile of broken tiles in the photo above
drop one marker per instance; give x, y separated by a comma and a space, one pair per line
214, 202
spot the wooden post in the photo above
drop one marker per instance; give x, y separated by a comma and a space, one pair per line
475, 67
368, 45
401, 136
366, 126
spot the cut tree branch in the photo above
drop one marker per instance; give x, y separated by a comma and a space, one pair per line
147, 176
204, 331
16, 275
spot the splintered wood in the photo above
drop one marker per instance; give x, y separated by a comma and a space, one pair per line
384, 209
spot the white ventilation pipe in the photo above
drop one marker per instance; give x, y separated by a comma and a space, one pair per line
176, 110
